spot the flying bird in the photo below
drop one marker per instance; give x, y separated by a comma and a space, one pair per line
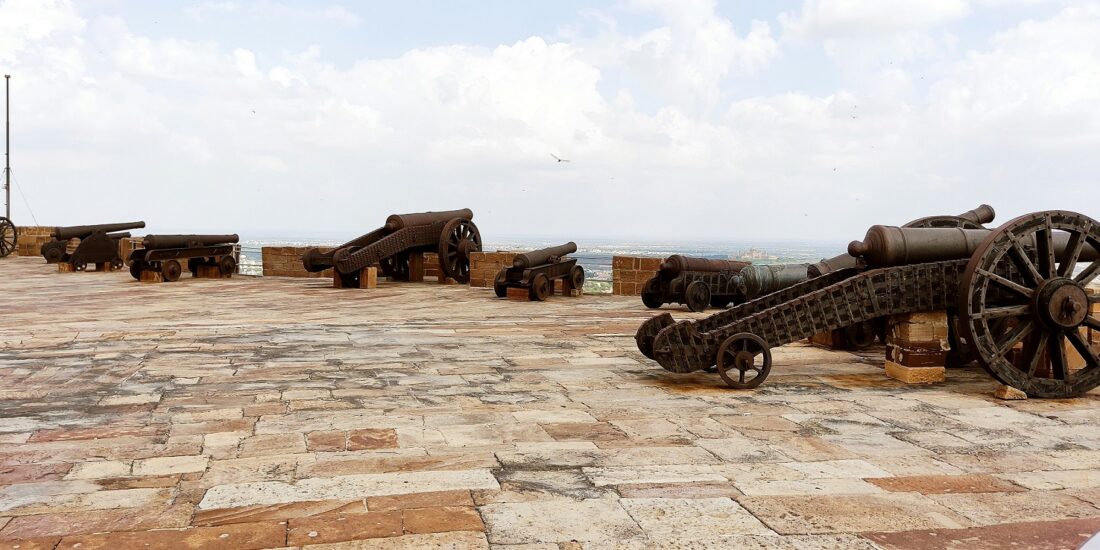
558, 158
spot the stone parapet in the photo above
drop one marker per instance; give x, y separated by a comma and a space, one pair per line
286, 261
484, 266
629, 274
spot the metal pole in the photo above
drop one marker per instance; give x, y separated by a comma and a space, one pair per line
7, 146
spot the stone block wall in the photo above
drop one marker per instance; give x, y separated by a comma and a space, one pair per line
629, 274
286, 261
484, 266
31, 239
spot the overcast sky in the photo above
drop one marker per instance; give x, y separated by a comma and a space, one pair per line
682, 120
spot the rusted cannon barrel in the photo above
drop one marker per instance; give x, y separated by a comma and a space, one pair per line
82, 231
401, 221
153, 242
891, 246
982, 214
676, 264
123, 235
542, 256
758, 280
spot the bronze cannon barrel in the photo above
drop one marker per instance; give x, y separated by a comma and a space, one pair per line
758, 280
676, 264
890, 246
153, 242
542, 256
82, 231
401, 221
982, 214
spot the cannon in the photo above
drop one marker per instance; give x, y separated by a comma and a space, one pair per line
537, 270
1018, 292
9, 236
694, 282
99, 245
163, 253
451, 234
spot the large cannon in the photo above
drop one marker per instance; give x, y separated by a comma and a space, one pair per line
1018, 291
694, 282
99, 245
537, 270
451, 234
162, 254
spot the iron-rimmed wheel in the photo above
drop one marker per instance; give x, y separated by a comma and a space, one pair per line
53, 251
651, 294
396, 267
227, 265
80, 266
1022, 289
170, 270
460, 238
860, 335
116, 264
500, 284
697, 296
540, 287
744, 361
136, 266
9, 237
576, 277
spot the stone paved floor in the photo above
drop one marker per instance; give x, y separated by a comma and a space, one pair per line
259, 413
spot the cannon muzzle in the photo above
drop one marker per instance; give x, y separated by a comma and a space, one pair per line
153, 242
401, 221
891, 246
82, 231
314, 260
543, 256
983, 214
676, 264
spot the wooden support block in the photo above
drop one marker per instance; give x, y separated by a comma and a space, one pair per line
368, 277
65, 267
1008, 393
148, 276
830, 339
443, 280
416, 268
519, 294
915, 375
208, 272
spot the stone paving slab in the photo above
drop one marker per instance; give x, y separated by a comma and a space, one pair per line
275, 412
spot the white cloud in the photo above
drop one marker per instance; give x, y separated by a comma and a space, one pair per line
853, 18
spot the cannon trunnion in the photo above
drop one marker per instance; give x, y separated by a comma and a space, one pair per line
451, 234
537, 270
99, 245
1018, 291
164, 253
694, 282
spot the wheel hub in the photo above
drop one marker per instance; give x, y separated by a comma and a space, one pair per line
744, 360
1062, 303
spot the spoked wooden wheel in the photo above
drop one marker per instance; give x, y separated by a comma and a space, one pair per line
460, 238
396, 267
9, 236
697, 296
1024, 308
744, 361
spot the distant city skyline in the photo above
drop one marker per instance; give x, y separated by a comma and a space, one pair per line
692, 120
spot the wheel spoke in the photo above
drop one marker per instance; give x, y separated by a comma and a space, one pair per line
1073, 250
1024, 261
999, 312
1083, 348
1044, 242
1008, 283
1090, 272
1017, 334
741, 376
1057, 351
1037, 353
1091, 322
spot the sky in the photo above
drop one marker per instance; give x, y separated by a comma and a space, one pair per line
682, 120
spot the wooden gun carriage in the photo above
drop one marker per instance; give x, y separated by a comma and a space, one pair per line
1018, 291
99, 245
537, 270
694, 282
451, 234
163, 253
